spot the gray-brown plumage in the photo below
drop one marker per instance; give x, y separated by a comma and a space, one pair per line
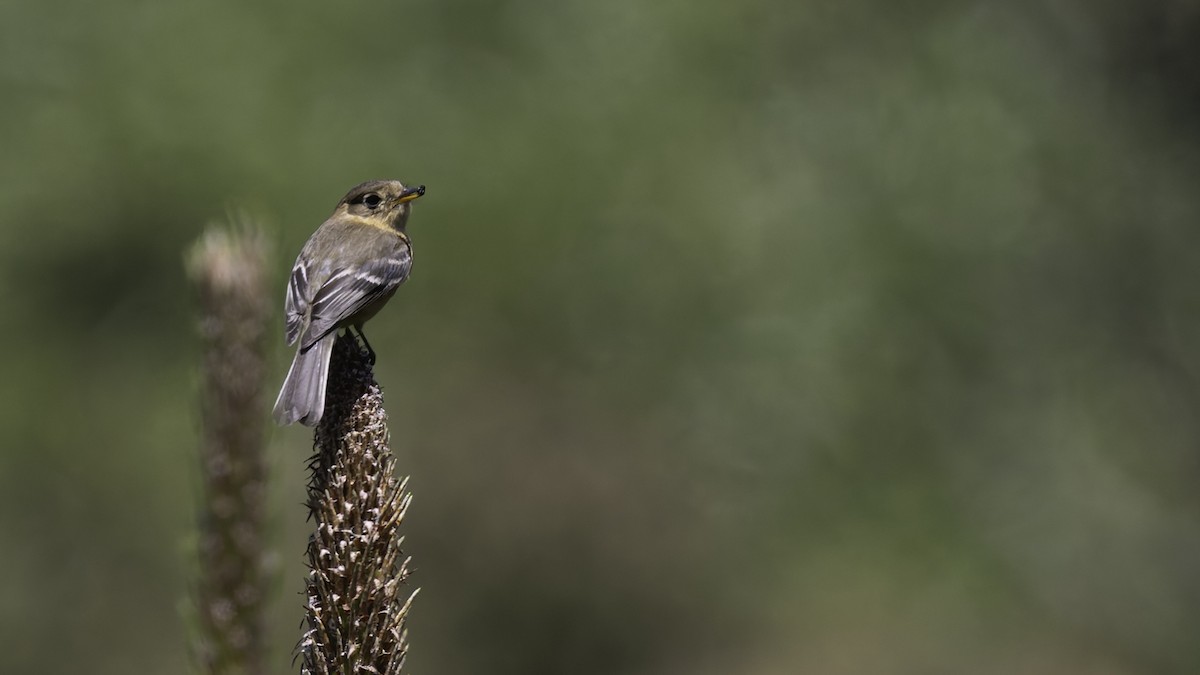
350, 267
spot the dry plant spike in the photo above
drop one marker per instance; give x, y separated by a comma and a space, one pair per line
227, 268
357, 608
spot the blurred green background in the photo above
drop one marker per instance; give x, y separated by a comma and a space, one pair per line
759, 337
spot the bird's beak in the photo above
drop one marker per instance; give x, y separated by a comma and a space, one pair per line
410, 194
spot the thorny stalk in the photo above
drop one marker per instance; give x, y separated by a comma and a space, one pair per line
357, 602
227, 268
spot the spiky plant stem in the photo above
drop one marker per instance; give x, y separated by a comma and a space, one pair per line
357, 608
227, 268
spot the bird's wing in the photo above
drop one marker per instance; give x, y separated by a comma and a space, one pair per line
296, 302
350, 289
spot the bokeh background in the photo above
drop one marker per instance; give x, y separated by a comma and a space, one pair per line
760, 337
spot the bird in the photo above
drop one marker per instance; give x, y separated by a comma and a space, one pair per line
347, 271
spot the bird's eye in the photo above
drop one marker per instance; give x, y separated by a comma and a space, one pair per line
372, 200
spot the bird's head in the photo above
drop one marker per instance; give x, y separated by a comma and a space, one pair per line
383, 201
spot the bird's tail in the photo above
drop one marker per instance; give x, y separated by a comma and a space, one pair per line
302, 398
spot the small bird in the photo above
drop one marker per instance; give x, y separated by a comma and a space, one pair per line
350, 267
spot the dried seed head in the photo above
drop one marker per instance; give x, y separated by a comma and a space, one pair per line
355, 625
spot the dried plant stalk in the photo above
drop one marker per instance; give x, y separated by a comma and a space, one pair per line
357, 609
227, 268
